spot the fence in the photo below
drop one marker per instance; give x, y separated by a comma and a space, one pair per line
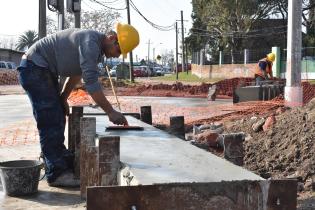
219, 64
232, 57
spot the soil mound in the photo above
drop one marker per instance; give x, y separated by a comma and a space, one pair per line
286, 149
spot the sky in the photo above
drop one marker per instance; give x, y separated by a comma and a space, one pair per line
18, 16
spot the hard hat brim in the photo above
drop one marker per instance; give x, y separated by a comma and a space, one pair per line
118, 30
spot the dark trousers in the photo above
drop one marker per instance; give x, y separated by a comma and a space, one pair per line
42, 89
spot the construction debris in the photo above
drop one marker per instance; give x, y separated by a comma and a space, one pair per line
284, 148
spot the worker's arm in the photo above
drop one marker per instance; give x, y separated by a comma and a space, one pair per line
68, 87
89, 52
263, 66
114, 116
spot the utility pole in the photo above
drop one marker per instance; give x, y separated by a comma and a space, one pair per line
183, 41
42, 19
61, 15
186, 57
61, 26
77, 19
130, 53
176, 56
293, 92
153, 54
74, 6
149, 51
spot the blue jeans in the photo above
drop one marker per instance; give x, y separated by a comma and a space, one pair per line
42, 89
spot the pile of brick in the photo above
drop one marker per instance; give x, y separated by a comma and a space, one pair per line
9, 77
226, 87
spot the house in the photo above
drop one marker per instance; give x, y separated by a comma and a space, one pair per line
11, 55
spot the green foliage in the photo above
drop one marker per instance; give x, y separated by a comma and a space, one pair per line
228, 21
26, 40
225, 24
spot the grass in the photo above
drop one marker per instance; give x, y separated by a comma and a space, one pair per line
184, 77
312, 82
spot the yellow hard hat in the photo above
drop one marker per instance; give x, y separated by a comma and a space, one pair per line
128, 38
271, 57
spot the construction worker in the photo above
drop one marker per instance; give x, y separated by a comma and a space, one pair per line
71, 53
263, 69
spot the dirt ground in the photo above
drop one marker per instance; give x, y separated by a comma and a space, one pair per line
285, 150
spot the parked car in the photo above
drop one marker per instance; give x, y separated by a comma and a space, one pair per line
7, 65
147, 70
11, 65
113, 72
3, 65
159, 71
167, 70
101, 70
140, 71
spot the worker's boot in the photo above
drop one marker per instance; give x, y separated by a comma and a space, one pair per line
66, 179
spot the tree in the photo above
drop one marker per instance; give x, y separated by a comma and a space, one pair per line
99, 20
308, 14
51, 25
167, 57
26, 40
228, 22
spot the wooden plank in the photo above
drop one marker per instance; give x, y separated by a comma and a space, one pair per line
177, 126
88, 133
236, 195
77, 113
92, 166
109, 160
146, 114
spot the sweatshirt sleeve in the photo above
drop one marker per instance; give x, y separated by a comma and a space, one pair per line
89, 52
262, 65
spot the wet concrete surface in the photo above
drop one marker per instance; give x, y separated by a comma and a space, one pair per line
154, 156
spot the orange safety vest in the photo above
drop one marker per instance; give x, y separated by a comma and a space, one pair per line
259, 72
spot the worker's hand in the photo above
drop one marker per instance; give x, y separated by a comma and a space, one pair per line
65, 105
117, 118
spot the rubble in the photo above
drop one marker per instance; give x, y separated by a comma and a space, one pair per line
286, 149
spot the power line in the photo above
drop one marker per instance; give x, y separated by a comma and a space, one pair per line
110, 2
161, 28
89, 5
103, 4
235, 35
256, 30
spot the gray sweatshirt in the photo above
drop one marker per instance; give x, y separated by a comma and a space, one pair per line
71, 52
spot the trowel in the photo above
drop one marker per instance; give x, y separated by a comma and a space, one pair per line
124, 128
